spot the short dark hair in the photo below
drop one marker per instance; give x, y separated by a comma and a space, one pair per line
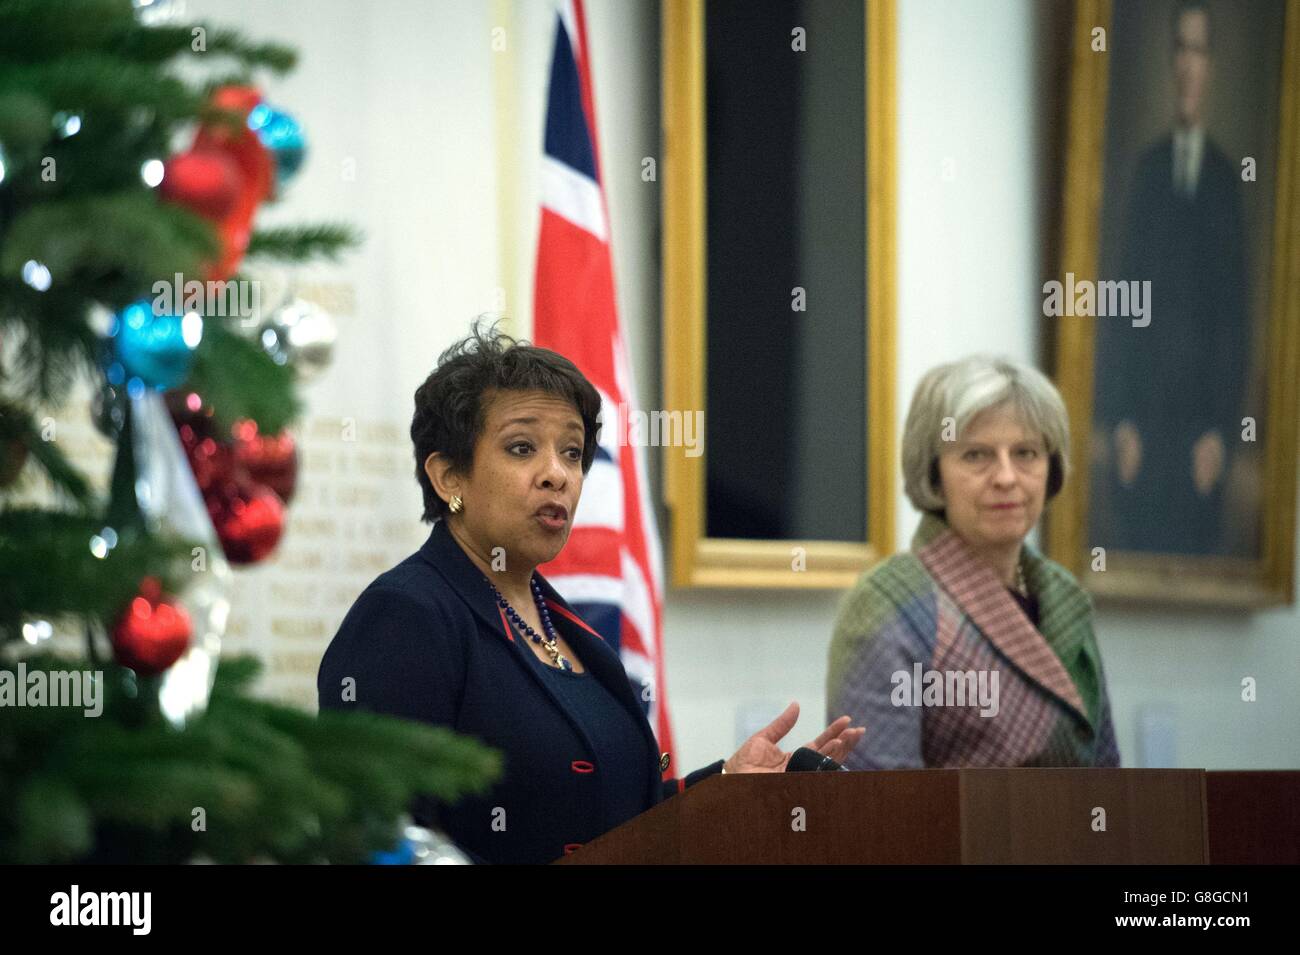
450, 410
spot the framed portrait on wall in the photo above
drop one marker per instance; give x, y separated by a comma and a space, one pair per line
778, 288
1176, 340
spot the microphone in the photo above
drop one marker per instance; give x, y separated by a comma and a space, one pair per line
805, 760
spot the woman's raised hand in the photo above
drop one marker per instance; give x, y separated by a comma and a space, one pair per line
761, 754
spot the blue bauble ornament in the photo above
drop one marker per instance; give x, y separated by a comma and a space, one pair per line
402, 854
281, 134
420, 846
154, 350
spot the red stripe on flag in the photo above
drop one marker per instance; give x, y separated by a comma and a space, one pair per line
590, 550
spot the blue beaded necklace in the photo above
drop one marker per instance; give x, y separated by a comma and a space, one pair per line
551, 641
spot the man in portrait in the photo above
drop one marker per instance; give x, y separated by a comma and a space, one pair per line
1169, 395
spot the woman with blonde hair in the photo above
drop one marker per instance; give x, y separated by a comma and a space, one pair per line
972, 648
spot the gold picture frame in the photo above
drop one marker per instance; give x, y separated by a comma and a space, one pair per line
1267, 577
699, 560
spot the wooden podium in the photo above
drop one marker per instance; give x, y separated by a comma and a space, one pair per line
1253, 816
923, 816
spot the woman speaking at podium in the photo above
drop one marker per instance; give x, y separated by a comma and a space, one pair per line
466, 634
973, 649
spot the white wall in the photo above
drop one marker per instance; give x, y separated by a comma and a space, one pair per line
445, 130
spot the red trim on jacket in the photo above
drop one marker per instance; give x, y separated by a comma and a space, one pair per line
572, 847
505, 624
681, 784
572, 617
582, 766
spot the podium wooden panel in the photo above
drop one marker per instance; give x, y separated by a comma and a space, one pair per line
924, 816
1254, 816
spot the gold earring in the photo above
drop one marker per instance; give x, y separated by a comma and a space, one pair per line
455, 505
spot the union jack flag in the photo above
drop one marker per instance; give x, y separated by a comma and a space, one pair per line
611, 570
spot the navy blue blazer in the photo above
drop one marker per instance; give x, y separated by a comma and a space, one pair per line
426, 641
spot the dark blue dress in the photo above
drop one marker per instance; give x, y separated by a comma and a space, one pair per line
619, 747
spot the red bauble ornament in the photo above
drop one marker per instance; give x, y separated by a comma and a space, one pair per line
213, 464
208, 182
249, 519
212, 461
244, 477
153, 631
257, 173
270, 460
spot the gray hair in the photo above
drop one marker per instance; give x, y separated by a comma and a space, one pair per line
960, 391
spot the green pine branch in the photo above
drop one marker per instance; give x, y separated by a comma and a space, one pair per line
271, 780
240, 380
110, 247
99, 249
48, 339
17, 424
102, 85
38, 30
50, 568
24, 123
272, 56
303, 243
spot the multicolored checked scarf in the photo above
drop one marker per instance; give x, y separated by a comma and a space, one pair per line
940, 608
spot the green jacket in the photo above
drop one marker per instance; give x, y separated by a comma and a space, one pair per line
932, 654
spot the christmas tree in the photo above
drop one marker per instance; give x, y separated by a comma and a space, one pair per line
135, 151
